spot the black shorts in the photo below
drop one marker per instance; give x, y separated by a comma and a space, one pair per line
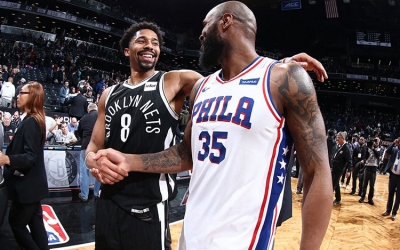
118, 229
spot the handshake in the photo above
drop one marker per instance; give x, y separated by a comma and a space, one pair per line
108, 165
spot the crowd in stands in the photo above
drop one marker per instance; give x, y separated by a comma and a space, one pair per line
67, 61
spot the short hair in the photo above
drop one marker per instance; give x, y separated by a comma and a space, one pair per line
92, 106
331, 132
342, 134
131, 32
7, 114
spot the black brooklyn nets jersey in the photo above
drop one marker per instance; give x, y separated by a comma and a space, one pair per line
138, 120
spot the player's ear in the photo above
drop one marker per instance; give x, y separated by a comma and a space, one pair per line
126, 51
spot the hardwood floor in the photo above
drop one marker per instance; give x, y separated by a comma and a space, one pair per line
352, 225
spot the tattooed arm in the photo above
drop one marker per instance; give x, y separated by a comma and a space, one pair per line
294, 96
113, 164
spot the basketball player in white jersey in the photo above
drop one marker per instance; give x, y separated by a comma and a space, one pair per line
264, 126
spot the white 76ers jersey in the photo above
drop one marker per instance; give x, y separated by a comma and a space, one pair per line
240, 150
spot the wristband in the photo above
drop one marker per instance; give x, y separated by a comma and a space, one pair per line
91, 152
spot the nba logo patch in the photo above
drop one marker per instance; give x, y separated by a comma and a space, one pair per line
55, 231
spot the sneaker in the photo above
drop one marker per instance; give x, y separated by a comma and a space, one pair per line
361, 200
352, 192
336, 202
81, 198
371, 202
299, 192
393, 217
342, 185
347, 187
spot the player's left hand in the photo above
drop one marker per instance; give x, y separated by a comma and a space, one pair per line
310, 64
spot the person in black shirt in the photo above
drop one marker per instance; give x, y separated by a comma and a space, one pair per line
341, 161
85, 130
8, 126
331, 143
358, 166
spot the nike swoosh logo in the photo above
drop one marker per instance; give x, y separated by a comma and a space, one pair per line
116, 92
205, 89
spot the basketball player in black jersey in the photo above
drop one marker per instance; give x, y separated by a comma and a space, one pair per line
140, 116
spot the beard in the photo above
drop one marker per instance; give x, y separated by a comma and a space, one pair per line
146, 66
212, 50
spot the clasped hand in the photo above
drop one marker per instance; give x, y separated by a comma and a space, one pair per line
110, 166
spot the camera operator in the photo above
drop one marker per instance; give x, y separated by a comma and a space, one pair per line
358, 166
371, 165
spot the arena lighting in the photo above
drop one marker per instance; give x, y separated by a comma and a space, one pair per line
312, 1
392, 2
346, 1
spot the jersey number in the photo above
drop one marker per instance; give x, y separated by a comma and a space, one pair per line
215, 144
125, 124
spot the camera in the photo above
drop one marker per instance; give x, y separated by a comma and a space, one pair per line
370, 143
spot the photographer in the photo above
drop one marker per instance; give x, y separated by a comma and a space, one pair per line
371, 165
358, 166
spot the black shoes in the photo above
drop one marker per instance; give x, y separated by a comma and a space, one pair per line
336, 202
361, 200
371, 202
387, 214
352, 192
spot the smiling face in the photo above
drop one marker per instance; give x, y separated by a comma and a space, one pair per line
144, 49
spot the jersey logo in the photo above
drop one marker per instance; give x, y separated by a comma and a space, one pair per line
116, 92
253, 81
205, 89
150, 86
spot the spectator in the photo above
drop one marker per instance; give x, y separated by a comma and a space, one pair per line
7, 93
8, 127
62, 135
85, 132
73, 125
16, 121
49, 136
89, 96
64, 91
78, 105
21, 83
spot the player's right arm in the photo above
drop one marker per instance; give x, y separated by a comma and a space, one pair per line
113, 165
98, 134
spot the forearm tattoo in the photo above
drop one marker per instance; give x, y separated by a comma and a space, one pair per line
299, 94
168, 160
